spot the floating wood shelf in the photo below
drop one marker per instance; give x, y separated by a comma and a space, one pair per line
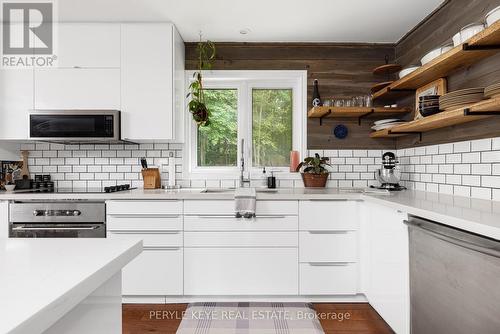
353, 112
481, 46
474, 112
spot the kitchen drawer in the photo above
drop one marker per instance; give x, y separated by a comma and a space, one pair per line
151, 240
240, 239
328, 247
154, 273
144, 222
240, 271
226, 207
118, 208
328, 215
328, 279
231, 223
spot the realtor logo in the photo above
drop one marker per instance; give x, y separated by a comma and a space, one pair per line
28, 33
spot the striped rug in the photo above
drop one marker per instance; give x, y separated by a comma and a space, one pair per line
250, 318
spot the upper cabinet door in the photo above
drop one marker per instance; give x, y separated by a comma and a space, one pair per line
94, 45
147, 81
16, 99
69, 88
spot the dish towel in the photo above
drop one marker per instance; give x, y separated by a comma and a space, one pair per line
244, 202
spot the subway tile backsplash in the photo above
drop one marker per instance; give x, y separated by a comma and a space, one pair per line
470, 168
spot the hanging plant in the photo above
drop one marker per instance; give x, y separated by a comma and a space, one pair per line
197, 107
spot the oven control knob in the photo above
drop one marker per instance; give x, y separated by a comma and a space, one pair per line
46, 213
36, 213
69, 213
76, 213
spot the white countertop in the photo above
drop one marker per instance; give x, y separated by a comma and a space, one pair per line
474, 215
43, 279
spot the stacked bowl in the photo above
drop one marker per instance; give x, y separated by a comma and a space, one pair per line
460, 98
428, 105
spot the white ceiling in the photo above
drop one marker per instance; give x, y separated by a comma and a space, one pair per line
374, 21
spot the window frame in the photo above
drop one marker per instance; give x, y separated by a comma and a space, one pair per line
245, 82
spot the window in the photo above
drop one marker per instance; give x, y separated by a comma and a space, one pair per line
217, 143
264, 110
271, 127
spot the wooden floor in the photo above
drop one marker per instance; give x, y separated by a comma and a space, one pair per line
165, 318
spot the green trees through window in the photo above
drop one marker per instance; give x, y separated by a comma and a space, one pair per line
271, 118
271, 127
217, 143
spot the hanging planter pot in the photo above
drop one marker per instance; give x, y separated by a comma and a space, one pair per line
197, 106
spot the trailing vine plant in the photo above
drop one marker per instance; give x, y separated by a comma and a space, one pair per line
197, 107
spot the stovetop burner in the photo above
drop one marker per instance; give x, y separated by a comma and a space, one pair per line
110, 189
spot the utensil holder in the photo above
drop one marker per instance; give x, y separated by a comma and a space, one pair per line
151, 178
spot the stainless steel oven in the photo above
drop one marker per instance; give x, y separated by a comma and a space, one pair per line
58, 219
75, 125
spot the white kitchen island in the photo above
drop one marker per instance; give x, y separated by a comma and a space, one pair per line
63, 285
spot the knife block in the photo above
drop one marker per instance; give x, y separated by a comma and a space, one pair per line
151, 178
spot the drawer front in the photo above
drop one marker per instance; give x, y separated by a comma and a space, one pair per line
240, 239
144, 223
328, 215
154, 273
328, 247
230, 223
144, 207
240, 271
339, 279
226, 207
151, 240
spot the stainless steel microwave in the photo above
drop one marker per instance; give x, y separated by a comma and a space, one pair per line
75, 125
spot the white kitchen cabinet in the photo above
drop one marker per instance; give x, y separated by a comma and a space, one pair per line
152, 84
16, 99
77, 88
328, 215
328, 247
88, 45
158, 271
328, 278
387, 265
240, 271
154, 272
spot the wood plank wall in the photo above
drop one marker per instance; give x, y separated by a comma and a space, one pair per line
435, 31
343, 70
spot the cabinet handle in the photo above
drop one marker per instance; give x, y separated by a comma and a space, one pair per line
329, 264
271, 216
144, 232
329, 232
216, 216
161, 248
151, 215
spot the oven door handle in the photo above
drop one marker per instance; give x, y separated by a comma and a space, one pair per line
23, 228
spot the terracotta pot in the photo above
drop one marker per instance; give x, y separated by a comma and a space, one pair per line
314, 180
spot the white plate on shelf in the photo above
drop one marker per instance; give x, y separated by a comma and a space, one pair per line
407, 71
386, 126
493, 16
389, 120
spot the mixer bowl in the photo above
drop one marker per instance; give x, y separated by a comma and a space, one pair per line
389, 175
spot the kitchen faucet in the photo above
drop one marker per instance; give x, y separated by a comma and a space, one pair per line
243, 180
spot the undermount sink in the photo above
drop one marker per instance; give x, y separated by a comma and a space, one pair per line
228, 190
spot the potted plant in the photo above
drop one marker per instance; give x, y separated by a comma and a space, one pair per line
197, 107
314, 171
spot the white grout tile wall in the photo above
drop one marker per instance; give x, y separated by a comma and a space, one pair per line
470, 168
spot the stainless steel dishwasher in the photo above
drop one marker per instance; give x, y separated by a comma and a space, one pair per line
454, 280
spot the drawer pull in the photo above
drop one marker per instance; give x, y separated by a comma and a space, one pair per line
328, 232
140, 215
216, 216
161, 248
143, 232
329, 264
271, 216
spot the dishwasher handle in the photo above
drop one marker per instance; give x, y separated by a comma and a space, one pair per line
459, 238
